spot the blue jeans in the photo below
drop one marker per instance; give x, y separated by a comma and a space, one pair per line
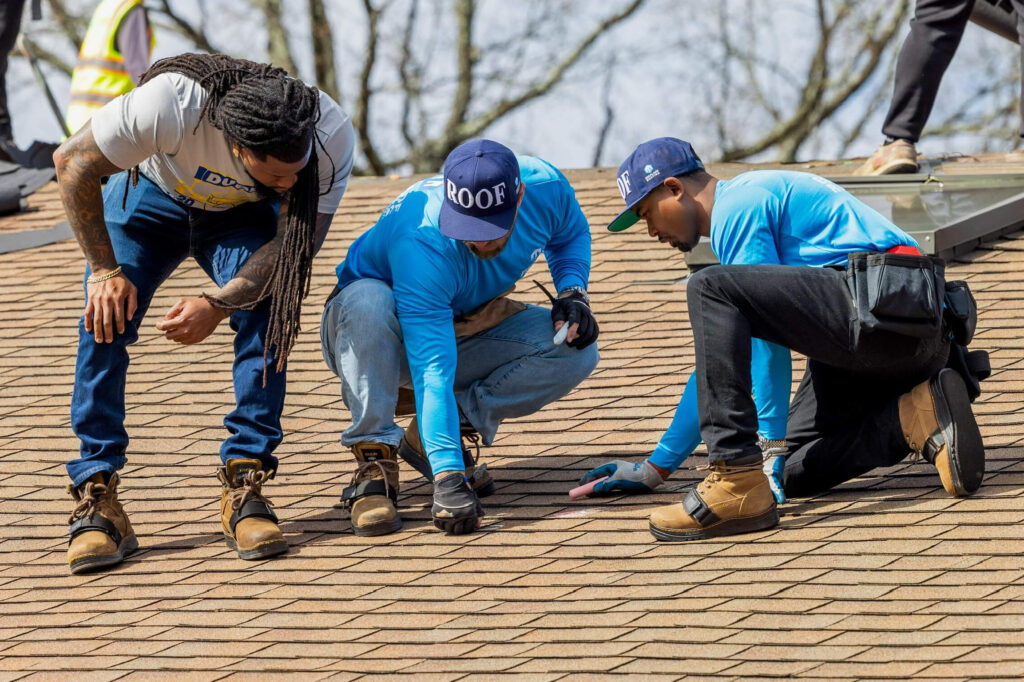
151, 236
508, 371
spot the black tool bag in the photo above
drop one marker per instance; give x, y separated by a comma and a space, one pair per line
896, 292
961, 312
961, 316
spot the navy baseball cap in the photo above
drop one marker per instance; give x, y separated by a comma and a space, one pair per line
481, 191
648, 166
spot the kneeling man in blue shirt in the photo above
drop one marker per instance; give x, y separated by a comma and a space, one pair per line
870, 395
421, 303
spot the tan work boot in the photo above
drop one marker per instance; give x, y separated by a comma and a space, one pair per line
899, 156
939, 426
249, 523
411, 450
731, 500
101, 534
373, 493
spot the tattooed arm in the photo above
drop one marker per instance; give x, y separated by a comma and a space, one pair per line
246, 288
80, 165
193, 319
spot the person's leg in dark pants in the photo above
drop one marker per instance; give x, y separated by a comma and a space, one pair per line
223, 242
10, 24
810, 311
150, 240
935, 33
843, 424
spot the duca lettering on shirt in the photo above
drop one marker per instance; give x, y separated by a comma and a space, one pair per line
204, 174
234, 193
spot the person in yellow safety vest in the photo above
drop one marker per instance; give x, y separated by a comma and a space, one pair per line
114, 53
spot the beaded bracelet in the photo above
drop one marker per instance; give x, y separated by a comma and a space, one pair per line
93, 279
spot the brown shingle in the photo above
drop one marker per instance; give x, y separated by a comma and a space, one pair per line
885, 576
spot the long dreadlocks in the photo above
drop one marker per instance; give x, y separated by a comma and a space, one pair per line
259, 107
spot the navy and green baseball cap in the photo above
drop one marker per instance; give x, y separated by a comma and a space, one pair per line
648, 166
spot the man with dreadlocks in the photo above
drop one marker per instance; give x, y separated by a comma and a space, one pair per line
420, 303
241, 167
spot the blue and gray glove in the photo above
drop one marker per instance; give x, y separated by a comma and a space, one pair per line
774, 457
623, 477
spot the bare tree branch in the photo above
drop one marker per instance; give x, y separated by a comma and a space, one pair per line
410, 75
279, 53
430, 155
879, 99
820, 97
73, 27
609, 112
178, 24
465, 61
45, 56
323, 50
361, 117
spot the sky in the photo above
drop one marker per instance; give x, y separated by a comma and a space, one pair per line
655, 91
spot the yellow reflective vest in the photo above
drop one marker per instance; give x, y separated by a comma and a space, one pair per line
100, 75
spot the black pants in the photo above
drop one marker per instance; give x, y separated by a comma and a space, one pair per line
843, 421
10, 24
935, 33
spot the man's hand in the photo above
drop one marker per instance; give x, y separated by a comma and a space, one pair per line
624, 477
109, 305
573, 309
191, 320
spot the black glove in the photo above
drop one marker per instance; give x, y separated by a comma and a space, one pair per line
572, 309
456, 509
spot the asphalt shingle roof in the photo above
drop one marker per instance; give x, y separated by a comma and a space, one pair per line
884, 577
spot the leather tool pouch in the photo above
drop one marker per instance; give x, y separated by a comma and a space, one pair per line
961, 312
484, 317
490, 314
896, 292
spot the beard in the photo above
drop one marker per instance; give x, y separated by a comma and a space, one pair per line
485, 255
266, 192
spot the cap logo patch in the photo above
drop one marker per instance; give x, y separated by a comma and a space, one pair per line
485, 198
623, 182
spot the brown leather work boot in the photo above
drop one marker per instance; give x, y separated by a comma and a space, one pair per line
249, 523
731, 500
939, 426
899, 156
411, 450
101, 534
373, 494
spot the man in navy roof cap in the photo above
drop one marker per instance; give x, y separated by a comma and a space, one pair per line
794, 247
421, 303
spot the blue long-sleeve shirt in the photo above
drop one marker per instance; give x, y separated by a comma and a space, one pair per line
777, 218
435, 278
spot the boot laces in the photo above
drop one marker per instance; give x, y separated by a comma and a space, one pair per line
721, 469
474, 439
92, 494
366, 470
250, 489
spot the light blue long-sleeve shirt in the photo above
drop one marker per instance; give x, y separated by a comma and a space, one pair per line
777, 218
435, 278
